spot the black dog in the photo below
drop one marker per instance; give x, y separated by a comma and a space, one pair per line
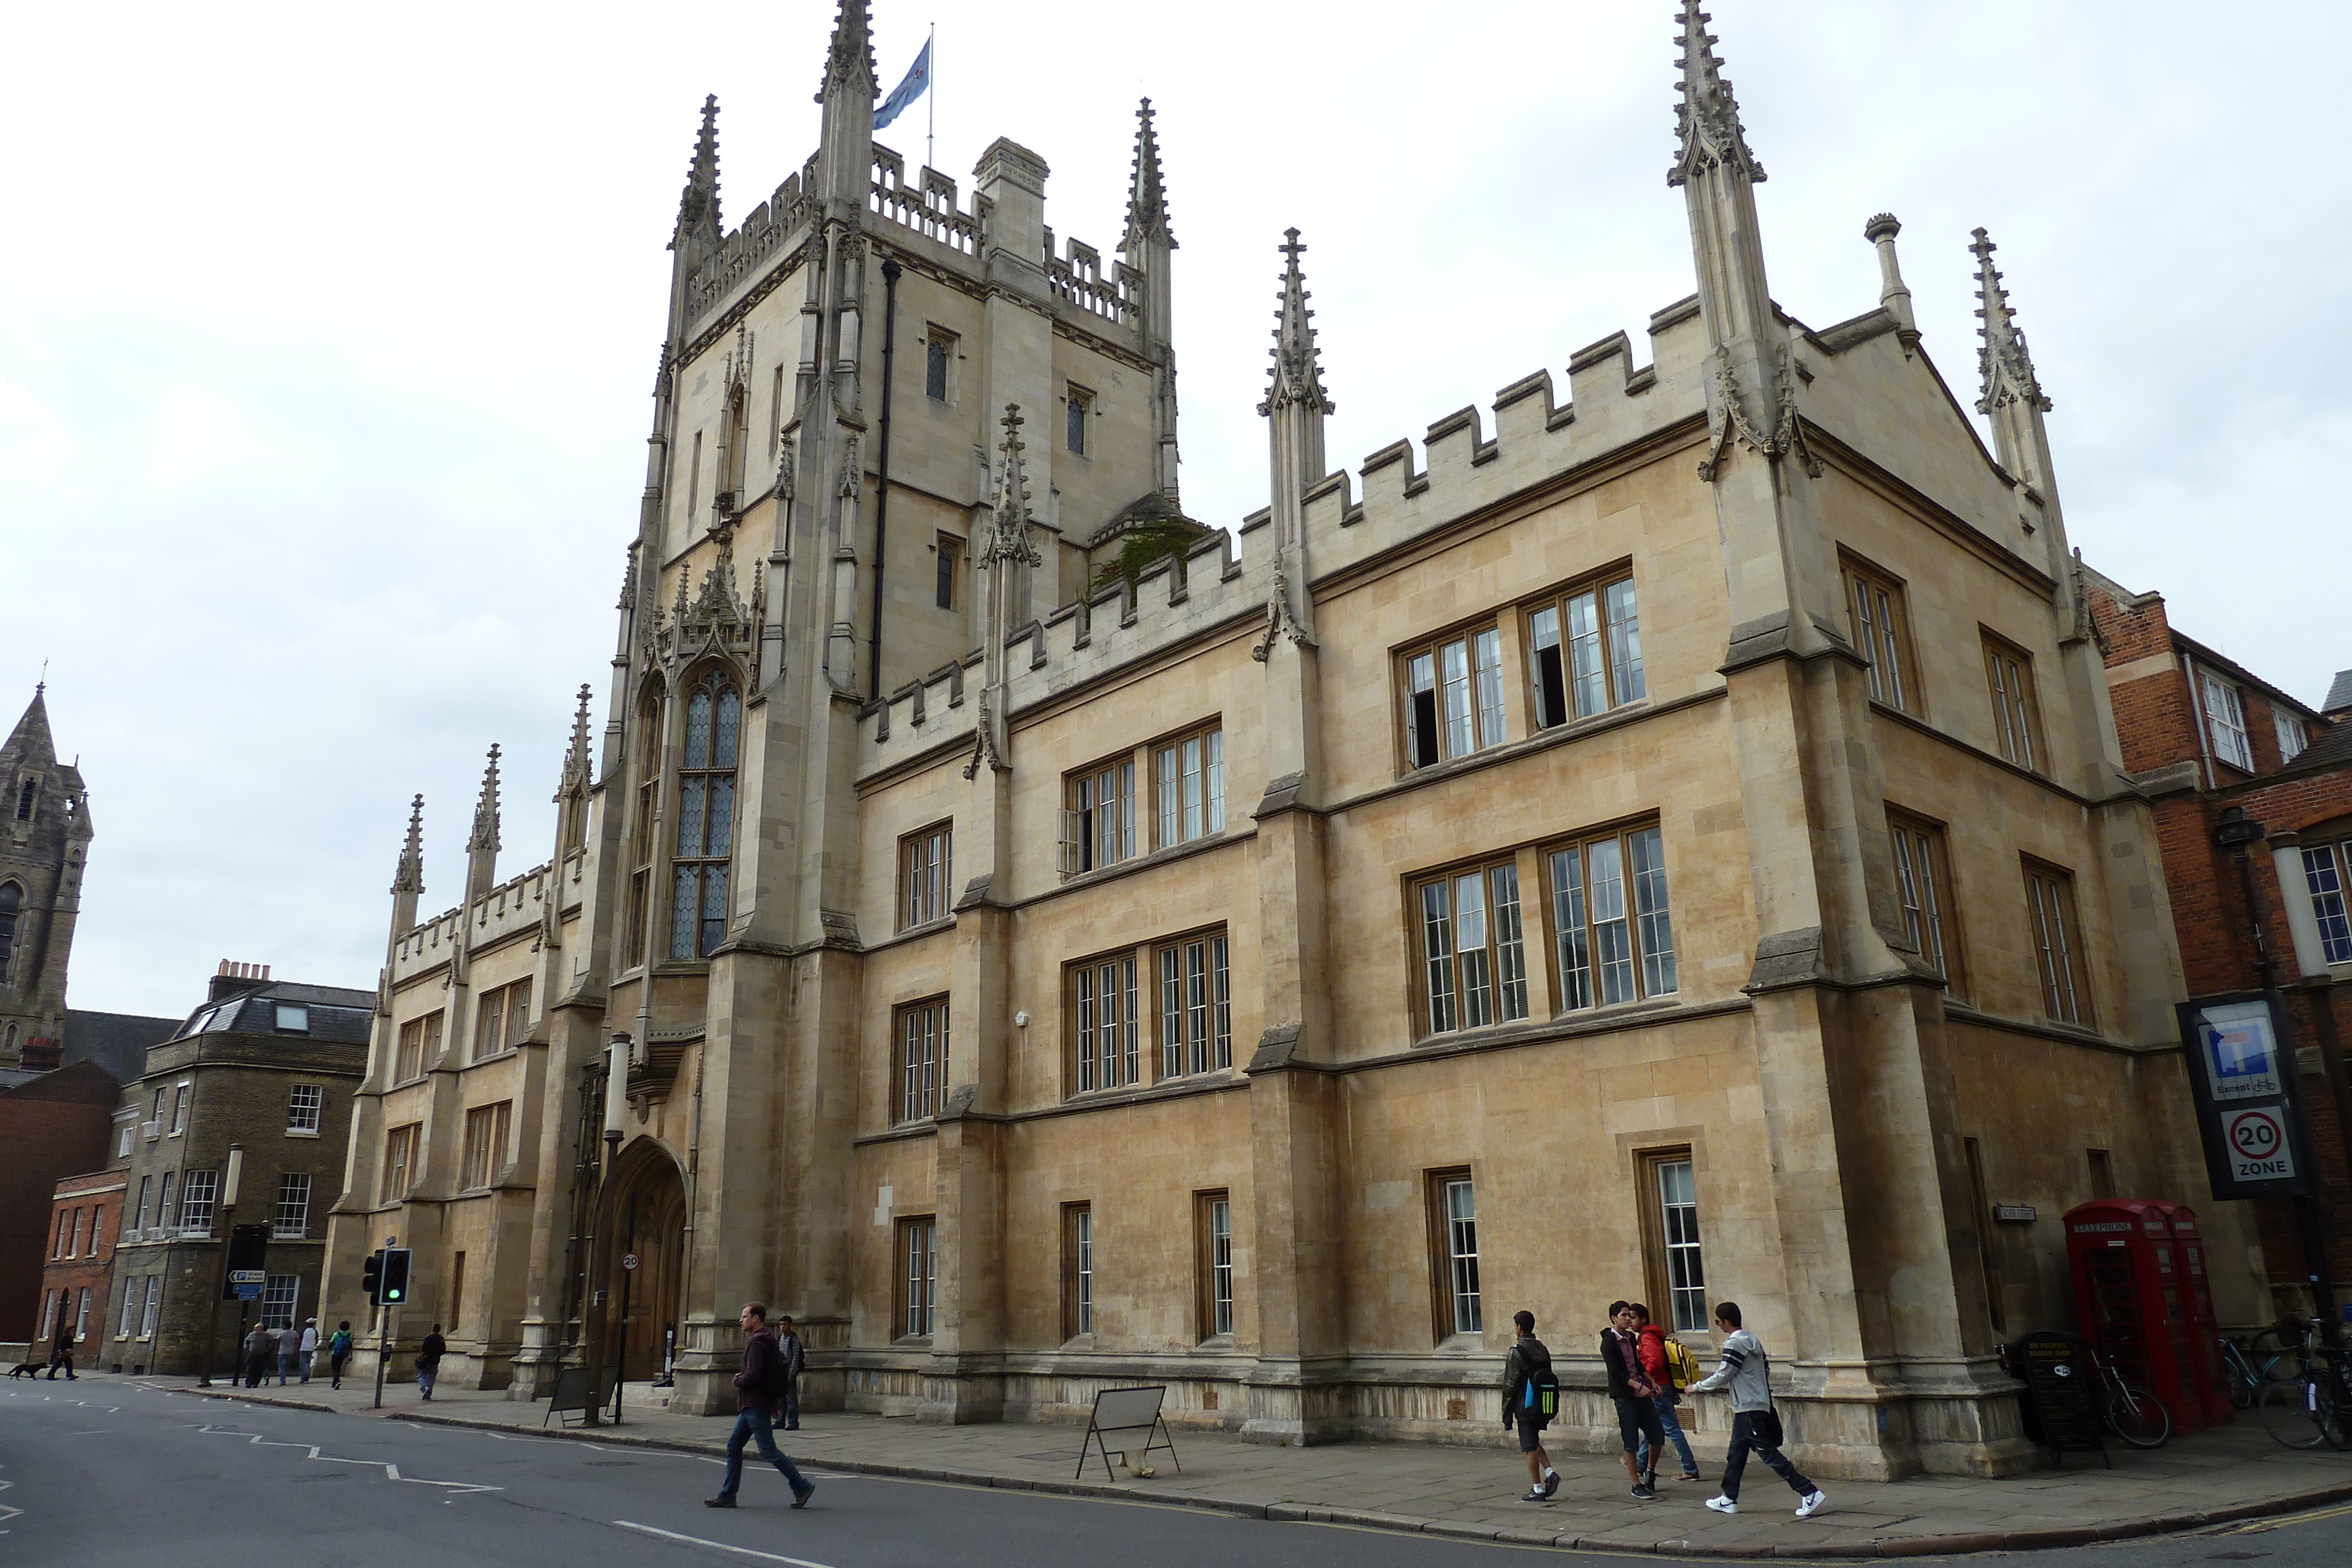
28, 1369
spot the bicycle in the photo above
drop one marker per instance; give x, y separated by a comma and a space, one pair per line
2248, 1369
2312, 1403
2132, 1413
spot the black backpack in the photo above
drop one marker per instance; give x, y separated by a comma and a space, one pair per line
1540, 1395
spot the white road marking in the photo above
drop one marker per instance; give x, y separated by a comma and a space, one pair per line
717, 1545
391, 1471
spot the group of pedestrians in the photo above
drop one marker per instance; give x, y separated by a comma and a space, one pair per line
292, 1348
1649, 1371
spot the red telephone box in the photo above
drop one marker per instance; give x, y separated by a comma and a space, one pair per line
2204, 1325
2129, 1289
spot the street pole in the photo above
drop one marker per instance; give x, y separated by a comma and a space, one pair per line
2308, 1220
227, 1230
382, 1334
628, 1276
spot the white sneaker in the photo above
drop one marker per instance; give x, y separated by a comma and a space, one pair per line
1723, 1505
1813, 1502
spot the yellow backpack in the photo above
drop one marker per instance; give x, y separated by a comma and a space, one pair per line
1682, 1367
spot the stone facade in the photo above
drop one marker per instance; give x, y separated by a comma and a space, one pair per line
85, 1223
2203, 735
263, 1068
45, 836
1669, 841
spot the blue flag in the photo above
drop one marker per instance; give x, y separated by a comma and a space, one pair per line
918, 81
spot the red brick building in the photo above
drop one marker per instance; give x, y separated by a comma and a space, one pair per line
50, 1127
2204, 735
86, 1222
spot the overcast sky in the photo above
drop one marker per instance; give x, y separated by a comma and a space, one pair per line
327, 333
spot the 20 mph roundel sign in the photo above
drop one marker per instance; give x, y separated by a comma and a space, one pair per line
628, 1259
2257, 1142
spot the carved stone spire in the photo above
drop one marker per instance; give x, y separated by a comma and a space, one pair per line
1297, 373
1706, 121
1147, 202
2004, 368
1006, 555
482, 843
849, 63
577, 760
1295, 407
697, 206
408, 877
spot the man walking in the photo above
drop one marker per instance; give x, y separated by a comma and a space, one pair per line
289, 1351
428, 1360
258, 1346
61, 1353
795, 1354
339, 1351
1529, 1357
759, 1386
1755, 1426
310, 1346
1657, 1366
1635, 1395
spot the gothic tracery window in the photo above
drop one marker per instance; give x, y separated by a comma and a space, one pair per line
10, 896
706, 818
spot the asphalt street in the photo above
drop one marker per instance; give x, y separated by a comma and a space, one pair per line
107, 1472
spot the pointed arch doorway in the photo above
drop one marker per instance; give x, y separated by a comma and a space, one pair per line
644, 1218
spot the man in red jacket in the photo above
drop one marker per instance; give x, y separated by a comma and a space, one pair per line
1652, 1350
756, 1389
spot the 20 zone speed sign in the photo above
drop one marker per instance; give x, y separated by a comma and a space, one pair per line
2257, 1140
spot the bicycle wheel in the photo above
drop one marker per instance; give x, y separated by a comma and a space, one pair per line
2289, 1414
2240, 1375
2137, 1416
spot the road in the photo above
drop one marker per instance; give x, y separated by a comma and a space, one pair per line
111, 1474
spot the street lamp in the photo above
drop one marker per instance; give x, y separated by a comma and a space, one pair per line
2238, 834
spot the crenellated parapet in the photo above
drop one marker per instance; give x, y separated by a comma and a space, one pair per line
515, 907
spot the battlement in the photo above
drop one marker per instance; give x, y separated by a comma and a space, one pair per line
1079, 642
742, 255
519, 903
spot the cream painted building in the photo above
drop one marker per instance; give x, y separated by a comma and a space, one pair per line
1662, 840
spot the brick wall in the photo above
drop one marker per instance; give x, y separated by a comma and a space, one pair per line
86, 1217
52, 1127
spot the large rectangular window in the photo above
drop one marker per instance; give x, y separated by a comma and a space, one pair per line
130, 1317
1923, 876
1453, 697
1189, 784
1473, 959
197, 1190
1584, 652
504, 1019
420, 1043
2293, 736
304, 1104
1098, 817
163, 1210
180, 1109
280, 1294
706, 818
1677, 1270
399, 1161
1196, 1028
948, 582
1881, 636
1612, 929
293, 1218
1102, 1002
918, 1275
1212, 1224
922, 1032
2324, 868
2057, 943
154, 1304
487, 1128
2016, 717
139, 1216
1078, 1269
926, 875
2225, 715
1454, 1252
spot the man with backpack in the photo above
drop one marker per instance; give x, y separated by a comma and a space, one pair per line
339, 1351
758, 1387
1531, 1399
1671, 1368
428, 1360
1635, 1395
1755, 1425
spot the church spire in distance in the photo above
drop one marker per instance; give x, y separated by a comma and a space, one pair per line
1147, 198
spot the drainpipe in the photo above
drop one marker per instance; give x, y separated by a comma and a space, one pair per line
890, 272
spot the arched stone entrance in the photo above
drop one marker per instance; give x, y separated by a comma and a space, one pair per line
643, 1213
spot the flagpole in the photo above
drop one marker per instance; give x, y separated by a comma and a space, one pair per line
931, 96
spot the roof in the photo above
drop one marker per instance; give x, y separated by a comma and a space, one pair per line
2339, 695
116, 1041
2331, 748
83, 1083
331, 1013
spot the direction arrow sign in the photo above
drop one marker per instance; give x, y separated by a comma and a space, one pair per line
245, 1276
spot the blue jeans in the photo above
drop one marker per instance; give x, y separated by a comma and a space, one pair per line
756, 1425
1744, 1437
1673, 1429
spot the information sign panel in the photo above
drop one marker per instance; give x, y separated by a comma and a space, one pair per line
2243, 1078
245, 1293
2058, 1376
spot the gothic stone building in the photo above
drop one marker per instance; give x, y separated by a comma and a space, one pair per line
43, 842
1665, 840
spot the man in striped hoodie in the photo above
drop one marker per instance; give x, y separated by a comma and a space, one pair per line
1747, 1375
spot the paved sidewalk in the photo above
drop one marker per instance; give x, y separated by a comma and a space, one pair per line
2235, 1473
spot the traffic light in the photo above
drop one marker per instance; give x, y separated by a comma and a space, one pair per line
395, 1275
371, 1278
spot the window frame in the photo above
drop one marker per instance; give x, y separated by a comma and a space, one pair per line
1170, 781
1078, 439
316, 1103
2050, 890
915, 1263
281, 1301
1651, 973
1084, 1027
1079, 1269
198, 1214
1873, 597
2291, 732
1662, 1237
1446, 1273
1213, 1265
153, 1308
1082, 826
2331, 903
489, 1128
1482, 685
919, 1031
1933, 921
947, 585
408, 1065
1203, 1041
927, 874
707, 867
300, 1210
1616, 642
948, 346
2225, 722
400, 1145
1498, 984
2014, 693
